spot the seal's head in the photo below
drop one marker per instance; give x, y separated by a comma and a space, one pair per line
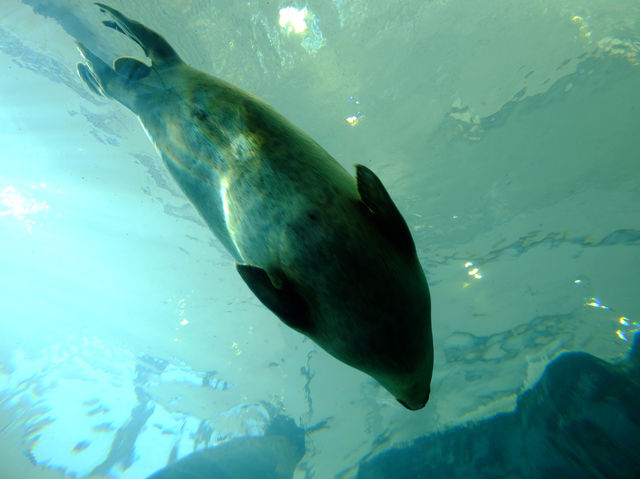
358, 290
399, 355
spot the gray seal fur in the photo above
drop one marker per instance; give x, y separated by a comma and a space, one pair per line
331, 257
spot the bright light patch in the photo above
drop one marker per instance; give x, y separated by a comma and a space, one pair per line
474, 272
354, 102
596, 303
224, 185
293, 20
184, 322
629, 328
18, 205
21, 206
577, 281
352, 120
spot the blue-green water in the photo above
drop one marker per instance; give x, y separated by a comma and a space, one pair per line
506, 134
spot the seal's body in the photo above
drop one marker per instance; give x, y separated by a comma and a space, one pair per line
332, 257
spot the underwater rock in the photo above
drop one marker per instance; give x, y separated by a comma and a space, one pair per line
580, 420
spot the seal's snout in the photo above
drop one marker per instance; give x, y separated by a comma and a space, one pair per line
414, 406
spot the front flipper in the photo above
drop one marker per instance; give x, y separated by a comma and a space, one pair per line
374, 195
154, 46
284, 301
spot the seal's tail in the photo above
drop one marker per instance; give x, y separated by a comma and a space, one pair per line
154, 45
118, 82
129, 79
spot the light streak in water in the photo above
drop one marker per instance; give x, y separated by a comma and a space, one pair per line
474, 272
629, 327
22, 206
596, 303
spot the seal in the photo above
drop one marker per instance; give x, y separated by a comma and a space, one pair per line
272, 456
333, 258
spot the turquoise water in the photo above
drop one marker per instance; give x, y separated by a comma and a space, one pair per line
506, 134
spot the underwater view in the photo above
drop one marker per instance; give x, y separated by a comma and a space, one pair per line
325, 239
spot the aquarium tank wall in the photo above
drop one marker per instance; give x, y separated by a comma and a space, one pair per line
507, 134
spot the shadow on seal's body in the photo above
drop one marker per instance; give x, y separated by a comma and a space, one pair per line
330, 256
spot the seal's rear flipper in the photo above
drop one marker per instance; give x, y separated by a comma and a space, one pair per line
96, 74
131, 68
284, 301
154, 46
125, 82
87, 77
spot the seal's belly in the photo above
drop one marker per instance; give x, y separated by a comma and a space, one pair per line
253, 176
